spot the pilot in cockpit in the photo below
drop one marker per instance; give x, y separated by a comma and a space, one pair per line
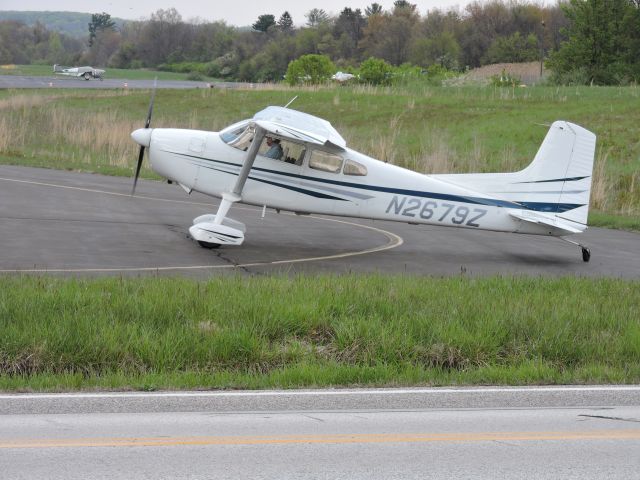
275, 149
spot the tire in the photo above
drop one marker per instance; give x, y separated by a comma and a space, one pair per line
208, 245
87, 76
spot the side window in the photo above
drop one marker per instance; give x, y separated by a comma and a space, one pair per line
354, 168
327, 162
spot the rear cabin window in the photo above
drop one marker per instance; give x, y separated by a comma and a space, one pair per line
354, 168
327, 162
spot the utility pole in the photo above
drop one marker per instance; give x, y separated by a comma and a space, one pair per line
541, 47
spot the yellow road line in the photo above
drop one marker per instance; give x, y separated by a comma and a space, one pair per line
625, 434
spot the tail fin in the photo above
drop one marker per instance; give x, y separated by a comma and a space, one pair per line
556, 185
562, 168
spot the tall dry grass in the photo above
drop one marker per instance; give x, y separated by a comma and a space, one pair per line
55, 131
600, 185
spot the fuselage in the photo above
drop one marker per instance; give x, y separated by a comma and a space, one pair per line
203, 162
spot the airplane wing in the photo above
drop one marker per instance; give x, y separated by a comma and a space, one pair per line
299, 126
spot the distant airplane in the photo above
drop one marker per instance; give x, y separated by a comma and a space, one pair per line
85, 72
342, 77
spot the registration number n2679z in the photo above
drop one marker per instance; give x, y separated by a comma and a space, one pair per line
424, 209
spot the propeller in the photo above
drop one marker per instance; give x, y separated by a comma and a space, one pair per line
142, 146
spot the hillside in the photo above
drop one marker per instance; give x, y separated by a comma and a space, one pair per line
74, 24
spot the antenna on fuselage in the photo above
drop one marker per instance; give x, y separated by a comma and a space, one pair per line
291, 101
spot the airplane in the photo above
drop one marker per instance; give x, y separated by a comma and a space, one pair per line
85, 72
342, 77
314, 172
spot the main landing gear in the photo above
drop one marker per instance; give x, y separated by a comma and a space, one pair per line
211, 231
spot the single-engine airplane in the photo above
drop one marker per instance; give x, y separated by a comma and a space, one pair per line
82, 72
290, 160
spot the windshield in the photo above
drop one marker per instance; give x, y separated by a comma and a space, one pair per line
238, 135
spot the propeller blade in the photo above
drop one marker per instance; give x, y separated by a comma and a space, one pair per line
146, 125
138, 166
153, 96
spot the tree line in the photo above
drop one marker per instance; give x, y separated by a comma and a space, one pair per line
583, 41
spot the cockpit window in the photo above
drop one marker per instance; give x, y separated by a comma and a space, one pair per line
282, 149
238, 135
352, 167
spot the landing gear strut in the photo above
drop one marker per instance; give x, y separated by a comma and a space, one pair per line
586, 253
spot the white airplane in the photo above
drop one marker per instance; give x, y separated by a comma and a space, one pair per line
85, 72
290, 160
342, 77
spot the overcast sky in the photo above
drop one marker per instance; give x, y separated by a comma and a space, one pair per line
234, 12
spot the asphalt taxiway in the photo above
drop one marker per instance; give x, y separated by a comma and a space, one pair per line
57, 81
77, 223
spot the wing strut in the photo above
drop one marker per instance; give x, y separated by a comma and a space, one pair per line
236, 194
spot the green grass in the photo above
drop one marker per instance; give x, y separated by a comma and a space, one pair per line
125, 74
145, 333
428, 129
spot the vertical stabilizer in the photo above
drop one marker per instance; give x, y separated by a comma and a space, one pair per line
562, 168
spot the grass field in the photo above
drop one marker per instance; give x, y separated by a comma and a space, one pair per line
280, 332
428, 129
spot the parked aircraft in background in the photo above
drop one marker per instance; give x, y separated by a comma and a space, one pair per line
313, 171
85, 72
342, 77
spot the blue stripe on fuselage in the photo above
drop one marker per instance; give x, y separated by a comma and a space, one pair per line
535, 206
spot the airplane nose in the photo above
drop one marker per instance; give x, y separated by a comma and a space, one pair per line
142, 136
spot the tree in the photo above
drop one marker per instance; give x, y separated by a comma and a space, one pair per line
316, 17
373, 9
264, 23
311, 69
398, 4
100, 22
601, 39
349, 26
512, 49
285, 23
441, 49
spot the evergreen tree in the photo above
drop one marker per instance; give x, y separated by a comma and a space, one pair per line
264, 23
373, 9
317, 16
100, 22
285, 23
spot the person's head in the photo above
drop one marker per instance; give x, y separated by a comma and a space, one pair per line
269, 141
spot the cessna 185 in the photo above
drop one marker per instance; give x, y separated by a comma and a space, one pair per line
85, 72
290, 160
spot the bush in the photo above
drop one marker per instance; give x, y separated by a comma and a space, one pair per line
376, 71
310, 69
505, 79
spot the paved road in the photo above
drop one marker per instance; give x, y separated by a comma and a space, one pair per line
530, 433
57, 81
74, 223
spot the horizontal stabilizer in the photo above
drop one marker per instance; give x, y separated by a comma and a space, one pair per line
561, 228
